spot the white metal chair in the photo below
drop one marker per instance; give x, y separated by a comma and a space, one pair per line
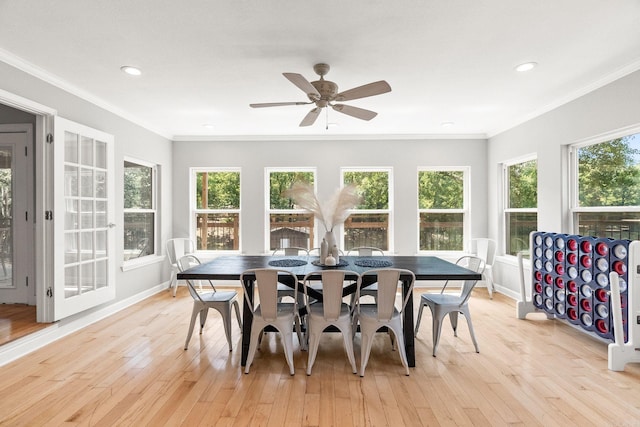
384, 313
331, 311
367, 251
284, 290
203, 301
485, 249
444, 303
270, 312
176, 249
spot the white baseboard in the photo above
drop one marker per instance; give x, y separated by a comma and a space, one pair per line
23, 346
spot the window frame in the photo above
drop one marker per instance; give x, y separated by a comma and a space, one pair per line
505, 197
155, 255
340, 233
194, 210
269, 211
574, 204
465, 211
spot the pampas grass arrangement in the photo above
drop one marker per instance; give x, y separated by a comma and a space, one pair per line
334, 212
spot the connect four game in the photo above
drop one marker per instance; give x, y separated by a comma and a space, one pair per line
571, 280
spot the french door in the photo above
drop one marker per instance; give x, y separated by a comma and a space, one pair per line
83, 218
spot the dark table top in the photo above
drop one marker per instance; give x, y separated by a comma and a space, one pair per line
230, 267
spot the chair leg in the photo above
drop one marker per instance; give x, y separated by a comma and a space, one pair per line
403, 354
314, 341
173, 282
194, 314
348, 347
203, 317
237, 307
256, 333
453, 316
419, 317
226, 321
488, 275
437, 328
287, 338
365, 351
467, 315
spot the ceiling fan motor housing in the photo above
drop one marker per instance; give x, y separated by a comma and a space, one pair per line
327, 90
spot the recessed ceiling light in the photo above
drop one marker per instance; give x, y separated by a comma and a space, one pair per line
133, 71
446, 124
527, 66
208, 125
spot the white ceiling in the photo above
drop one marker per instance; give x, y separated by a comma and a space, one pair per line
205, 61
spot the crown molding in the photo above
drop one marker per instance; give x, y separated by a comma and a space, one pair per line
333, 137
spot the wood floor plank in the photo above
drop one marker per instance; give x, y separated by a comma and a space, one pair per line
131, 369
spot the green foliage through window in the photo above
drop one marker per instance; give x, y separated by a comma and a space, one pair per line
222, 190
281, 181
373, 186
523, 185
440, 190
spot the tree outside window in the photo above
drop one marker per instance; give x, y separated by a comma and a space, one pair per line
521, 212
139, 210
289, 226
368, 224
217, 210
608, 189
441, 209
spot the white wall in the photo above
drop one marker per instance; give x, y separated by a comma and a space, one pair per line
130, 140
612, 107
405, 156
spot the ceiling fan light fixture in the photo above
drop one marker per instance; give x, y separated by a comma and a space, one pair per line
131, 70
526, 66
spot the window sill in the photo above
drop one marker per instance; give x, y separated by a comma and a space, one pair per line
141, 262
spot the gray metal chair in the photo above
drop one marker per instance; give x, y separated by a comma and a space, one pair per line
204, 300
445, 303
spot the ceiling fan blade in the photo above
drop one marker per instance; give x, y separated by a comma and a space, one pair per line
277, 104
371, 89
358, 113
303, 84
311, 117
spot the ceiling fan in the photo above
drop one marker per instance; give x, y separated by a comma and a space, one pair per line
324, 93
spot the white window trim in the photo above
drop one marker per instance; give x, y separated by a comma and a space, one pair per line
193, 211
156, 256
505, 198
267, 203
465, 211
389, 211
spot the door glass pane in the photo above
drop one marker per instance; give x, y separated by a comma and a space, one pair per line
101, 214
101, 184
101, 154
71, 215
71, 181
71, 281
70, 147
86, 277
71, 248
86, 246
6, 215
101, 274
86, 182
86, 150
87, 214
101, 244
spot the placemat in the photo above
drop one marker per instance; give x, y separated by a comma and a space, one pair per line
287, 263
374, 263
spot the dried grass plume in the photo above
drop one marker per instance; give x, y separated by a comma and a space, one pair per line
334, 212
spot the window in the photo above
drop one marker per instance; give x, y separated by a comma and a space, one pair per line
442, 209
606, 200
139, 209
520, 204
216, 209
288, 226
369, 223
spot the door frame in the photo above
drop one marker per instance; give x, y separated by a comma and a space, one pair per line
43, 176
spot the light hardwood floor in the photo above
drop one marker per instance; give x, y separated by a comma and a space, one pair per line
131, 369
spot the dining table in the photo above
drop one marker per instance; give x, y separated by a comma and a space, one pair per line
231, 267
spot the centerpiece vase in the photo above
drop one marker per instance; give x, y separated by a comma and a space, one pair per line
331, 240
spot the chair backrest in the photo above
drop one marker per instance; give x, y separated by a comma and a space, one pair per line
472, 263
179, 247
332, 282
389, 284
184, 263
486, 250
291, 251
365, 251
266, 290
